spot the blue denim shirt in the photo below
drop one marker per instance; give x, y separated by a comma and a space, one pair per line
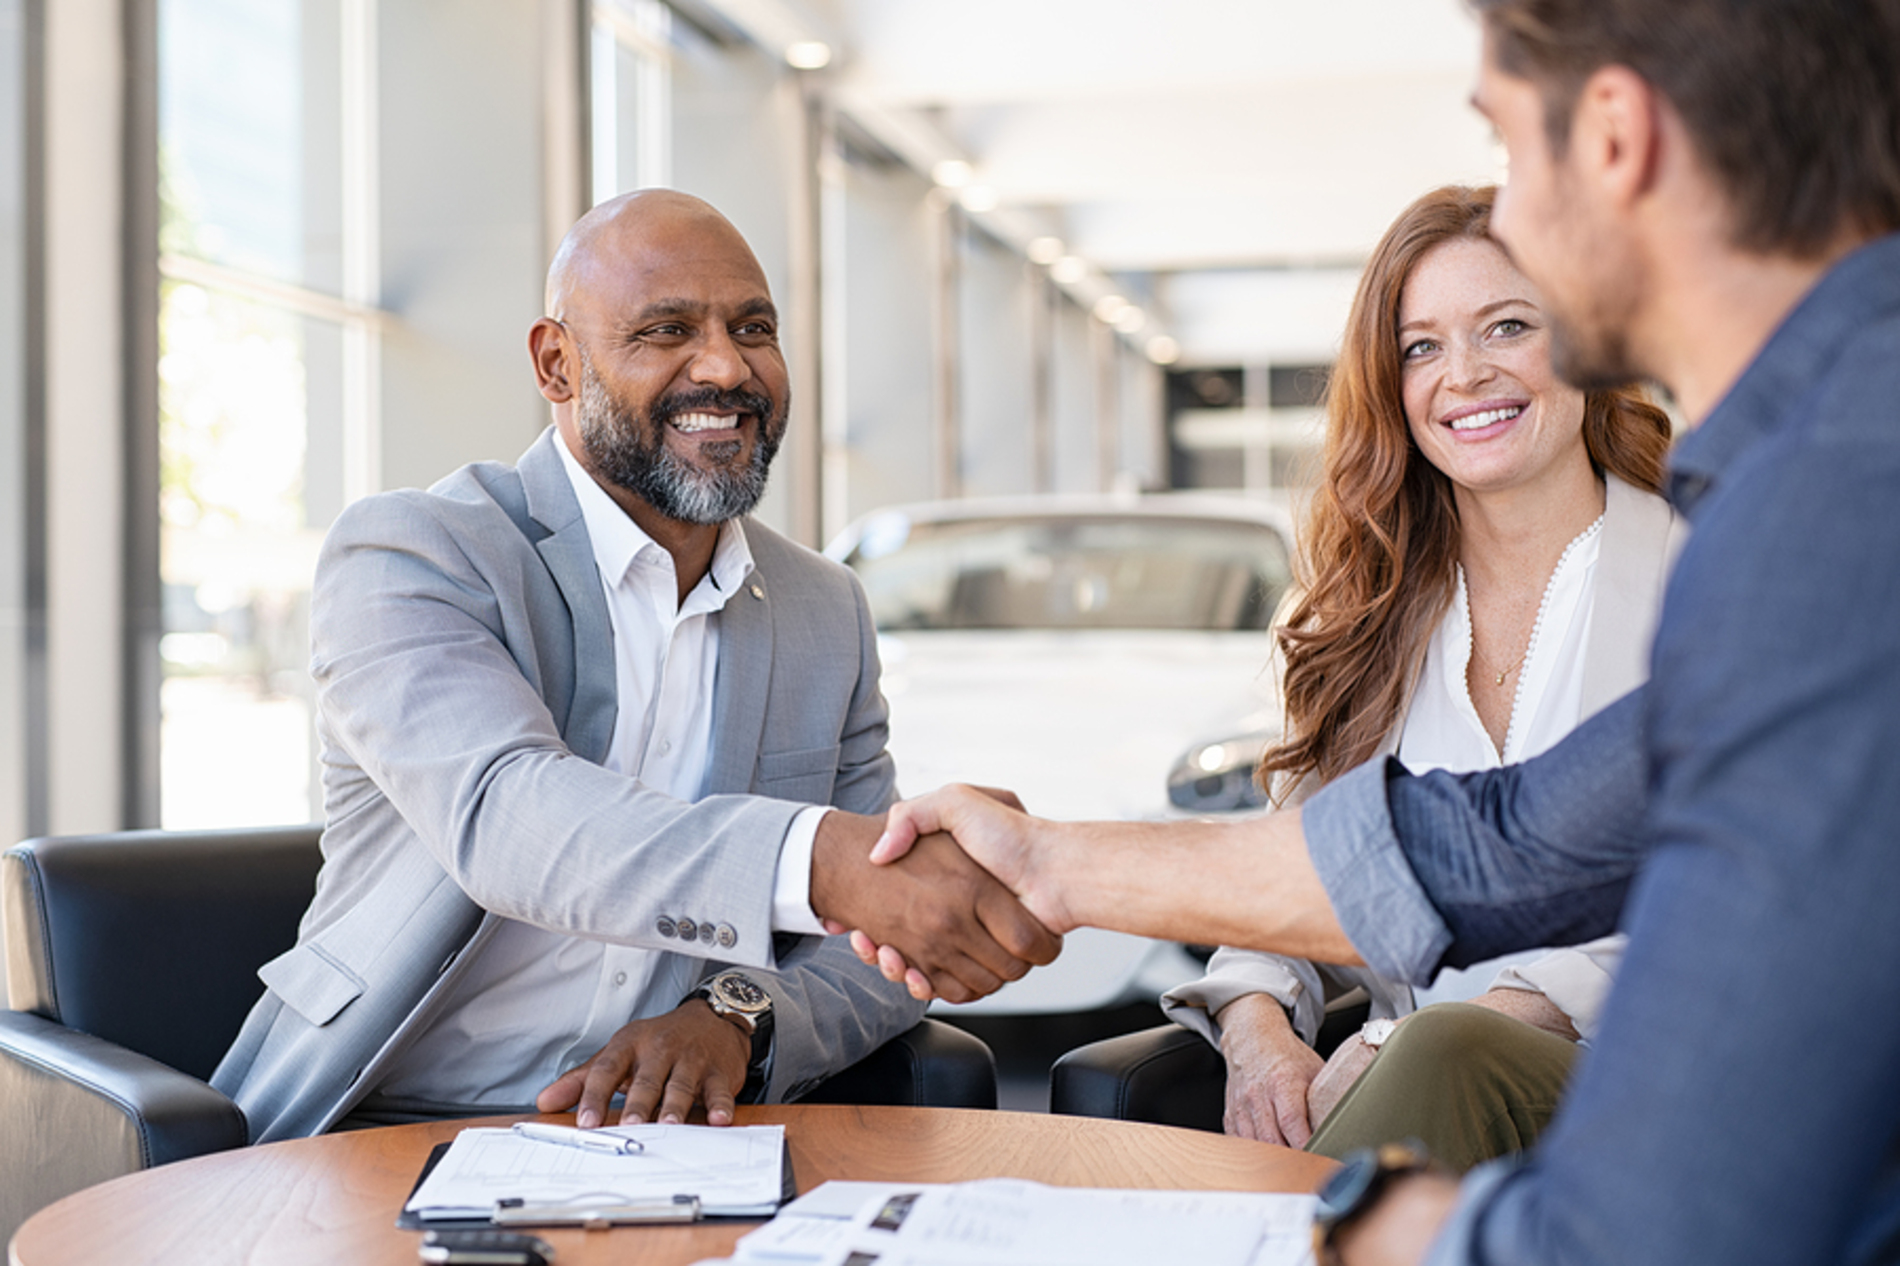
1740, 815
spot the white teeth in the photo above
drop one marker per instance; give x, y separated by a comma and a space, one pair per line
705, 422
1490, 417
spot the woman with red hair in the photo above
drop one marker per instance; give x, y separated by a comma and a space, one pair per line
1481, 568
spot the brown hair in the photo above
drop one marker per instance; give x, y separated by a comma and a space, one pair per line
1793, 105
1380, 540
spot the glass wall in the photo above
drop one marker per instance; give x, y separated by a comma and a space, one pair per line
263, 354
631, 120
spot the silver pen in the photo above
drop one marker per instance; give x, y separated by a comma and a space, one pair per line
569, 1136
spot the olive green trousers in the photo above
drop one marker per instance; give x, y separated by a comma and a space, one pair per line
1467, 1082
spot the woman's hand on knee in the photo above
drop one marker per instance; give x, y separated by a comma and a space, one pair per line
1269, 1070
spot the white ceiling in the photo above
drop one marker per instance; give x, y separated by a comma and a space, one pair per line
1230, 146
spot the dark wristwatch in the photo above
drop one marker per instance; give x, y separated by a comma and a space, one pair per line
1356, 1186
737, 997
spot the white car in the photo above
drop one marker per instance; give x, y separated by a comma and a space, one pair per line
1086, 653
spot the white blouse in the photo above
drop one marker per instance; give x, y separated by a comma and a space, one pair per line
1442, 731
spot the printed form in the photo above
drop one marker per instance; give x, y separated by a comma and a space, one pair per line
734, 1170
1009, 1222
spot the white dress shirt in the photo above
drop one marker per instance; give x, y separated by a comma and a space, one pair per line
539, 1001
1443, 731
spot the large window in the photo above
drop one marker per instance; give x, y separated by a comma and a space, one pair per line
267, 369
630, 118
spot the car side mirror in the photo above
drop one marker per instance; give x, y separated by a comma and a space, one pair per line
1219, 777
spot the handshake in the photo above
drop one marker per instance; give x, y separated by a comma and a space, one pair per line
940, 894
959, 891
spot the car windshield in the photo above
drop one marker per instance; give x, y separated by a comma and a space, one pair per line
1071, 572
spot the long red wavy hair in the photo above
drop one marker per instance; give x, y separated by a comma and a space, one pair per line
1379, 545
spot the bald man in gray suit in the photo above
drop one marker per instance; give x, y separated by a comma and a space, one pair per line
578, 717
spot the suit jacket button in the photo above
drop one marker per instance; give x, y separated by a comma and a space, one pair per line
757, 592
689, 930
664, 926
727, 937
705, 932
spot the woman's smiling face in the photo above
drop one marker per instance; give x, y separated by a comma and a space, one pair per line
1481, 400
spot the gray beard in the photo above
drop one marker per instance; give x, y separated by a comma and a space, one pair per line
631, 453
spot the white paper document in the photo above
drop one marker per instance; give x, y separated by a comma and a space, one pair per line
1008, 1222
734, 1171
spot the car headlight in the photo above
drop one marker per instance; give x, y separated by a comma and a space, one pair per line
1218, 777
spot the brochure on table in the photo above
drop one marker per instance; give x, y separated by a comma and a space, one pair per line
1009, 1222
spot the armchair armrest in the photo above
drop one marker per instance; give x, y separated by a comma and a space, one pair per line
1166, 1075
934, 1065
76, 1110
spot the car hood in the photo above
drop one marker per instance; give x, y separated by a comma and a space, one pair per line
1079, 724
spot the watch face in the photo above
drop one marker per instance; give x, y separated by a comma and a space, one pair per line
741, 993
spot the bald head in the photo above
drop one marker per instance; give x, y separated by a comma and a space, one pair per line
620, 231
660, 356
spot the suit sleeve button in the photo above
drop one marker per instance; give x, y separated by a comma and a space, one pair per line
664, 926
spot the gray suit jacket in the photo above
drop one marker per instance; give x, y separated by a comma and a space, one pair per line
1641, 537
466, 692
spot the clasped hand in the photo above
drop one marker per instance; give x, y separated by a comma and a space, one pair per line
959, 851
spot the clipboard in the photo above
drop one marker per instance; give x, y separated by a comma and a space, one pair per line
520, 1214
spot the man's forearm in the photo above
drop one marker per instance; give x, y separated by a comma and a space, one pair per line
1248, 884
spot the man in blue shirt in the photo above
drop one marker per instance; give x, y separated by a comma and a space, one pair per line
1707, 193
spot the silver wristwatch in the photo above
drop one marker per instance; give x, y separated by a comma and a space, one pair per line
737, 996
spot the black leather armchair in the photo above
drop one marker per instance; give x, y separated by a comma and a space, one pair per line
933, 1065
1166, 1075
131, 962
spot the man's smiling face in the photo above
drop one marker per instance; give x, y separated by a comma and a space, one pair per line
683, 389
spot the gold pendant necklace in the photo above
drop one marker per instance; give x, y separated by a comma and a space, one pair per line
1503, 672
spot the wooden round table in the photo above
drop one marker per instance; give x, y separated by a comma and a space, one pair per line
334, 1199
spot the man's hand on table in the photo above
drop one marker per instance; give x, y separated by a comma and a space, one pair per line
960, 932
665, 1065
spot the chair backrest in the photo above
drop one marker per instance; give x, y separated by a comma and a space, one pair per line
152, 939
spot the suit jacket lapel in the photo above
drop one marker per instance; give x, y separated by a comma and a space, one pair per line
568, 552
740, 684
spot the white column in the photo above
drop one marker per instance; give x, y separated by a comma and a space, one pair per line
85, 403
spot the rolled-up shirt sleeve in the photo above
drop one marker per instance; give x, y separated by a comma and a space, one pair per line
1379, 902
1576, 979
1446, 869
1237, 973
